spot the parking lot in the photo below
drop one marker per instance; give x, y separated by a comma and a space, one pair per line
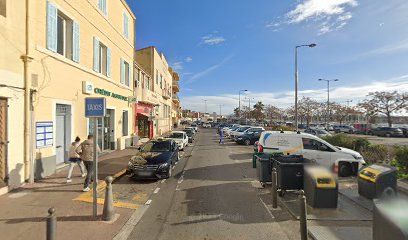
390, 141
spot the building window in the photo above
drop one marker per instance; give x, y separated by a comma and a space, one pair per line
102, 58
148, 83
125, 25
103, 7
157, 76
62, 33
3, 11
125, 123
143, 81
125, 73
161, 81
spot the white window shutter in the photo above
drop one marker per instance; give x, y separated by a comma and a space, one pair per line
125, 25
108, 62
52, 15
96, 56
122, 71
129, 74
75, 41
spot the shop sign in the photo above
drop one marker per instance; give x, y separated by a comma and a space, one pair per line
87, 87
132, 99
110, 94
95, 107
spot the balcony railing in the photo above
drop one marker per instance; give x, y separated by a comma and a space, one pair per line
165, 94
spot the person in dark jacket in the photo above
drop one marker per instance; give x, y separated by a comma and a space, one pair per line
86, 151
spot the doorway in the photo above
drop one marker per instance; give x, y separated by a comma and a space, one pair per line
109, 130
62, 132
3, 142
143, 126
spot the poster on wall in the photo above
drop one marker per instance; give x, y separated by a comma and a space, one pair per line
44, 134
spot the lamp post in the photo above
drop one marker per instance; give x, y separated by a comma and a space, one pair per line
296, 80
205, 105
220, 105
328, 97
249, 104
239, 102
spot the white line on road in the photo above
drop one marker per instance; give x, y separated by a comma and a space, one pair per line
164, 180
148, 202
156, 190
269, 211
131, 223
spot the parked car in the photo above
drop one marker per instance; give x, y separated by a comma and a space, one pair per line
343, 161
191, 128
344, 129
206, 125
317, 132
238, 131
404, 131
230, 129
387, 132
249, 137
362, 128
180, 138
190, 134
249, 130
195, 126
154, 160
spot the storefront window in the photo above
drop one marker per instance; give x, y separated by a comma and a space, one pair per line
125, 123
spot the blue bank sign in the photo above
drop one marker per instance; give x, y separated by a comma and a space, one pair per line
95, 107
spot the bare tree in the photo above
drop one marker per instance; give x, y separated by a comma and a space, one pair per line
272, 112
385, 103
307, 108
341, 112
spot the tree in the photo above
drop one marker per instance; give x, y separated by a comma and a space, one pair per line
340, 112
272, 112
385, 103
307, 108
257, 112
236, 112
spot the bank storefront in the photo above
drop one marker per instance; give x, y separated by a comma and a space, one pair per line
145, 114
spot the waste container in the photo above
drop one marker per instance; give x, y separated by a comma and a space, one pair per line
372, 180
390, 219
264, 166
290, 172
261, 154
321, 187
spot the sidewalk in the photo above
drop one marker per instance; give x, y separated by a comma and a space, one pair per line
23, 211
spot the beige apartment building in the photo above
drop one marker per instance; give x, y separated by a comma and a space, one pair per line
156, 66
71, 50
12, 49
176, 106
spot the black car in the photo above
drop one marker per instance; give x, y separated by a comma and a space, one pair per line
387, 132
190, 134
249, 138
154, 160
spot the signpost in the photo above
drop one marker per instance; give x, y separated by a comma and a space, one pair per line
95, 108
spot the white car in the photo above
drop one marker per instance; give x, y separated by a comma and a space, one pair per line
193, 129
238, 131
230, 129
180, 138
206, 125
195, 126
343, 161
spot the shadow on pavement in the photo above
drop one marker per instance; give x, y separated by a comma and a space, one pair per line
241, 156
226, 172
236, 203
59, 219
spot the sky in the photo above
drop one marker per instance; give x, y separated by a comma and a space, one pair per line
221, 47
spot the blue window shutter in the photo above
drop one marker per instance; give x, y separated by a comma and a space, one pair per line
75, 41
52, 24
122, 71
108, 62
125, 25
96, 54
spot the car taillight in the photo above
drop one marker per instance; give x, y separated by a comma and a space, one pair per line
260, 148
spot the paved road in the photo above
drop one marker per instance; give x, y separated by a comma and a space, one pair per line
213, 195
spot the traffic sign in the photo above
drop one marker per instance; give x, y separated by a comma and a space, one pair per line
95, 107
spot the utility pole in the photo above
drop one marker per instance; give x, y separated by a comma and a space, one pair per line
220, 105
205, 105
239, 102
328, 98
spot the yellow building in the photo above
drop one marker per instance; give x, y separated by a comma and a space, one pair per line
155, 64
12, 48
80, 49
176, 106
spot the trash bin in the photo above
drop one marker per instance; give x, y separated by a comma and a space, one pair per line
290, 172
390, 219
321, 187
261, 154
372, 180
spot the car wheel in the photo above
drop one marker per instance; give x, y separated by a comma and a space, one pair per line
247, 142
345, 170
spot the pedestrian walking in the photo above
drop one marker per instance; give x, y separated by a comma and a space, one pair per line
74, 159
221, 137
86, 152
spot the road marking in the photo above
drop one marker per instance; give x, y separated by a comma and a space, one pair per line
130, 224
156, 190
148, 202
173, 167
164, 180
269, 211
176, 163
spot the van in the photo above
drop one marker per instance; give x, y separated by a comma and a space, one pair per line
342, 161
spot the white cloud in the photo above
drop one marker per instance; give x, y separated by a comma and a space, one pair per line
188, 59
330, 15
285, 99
392, 48
178, 66
208, 70
212, 40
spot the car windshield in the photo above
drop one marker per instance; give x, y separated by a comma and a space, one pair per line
188, 131
241, 129
176, 135
159, 146
194, 125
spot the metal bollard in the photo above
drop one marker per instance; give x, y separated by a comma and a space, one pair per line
51, 224
108, 211
274, 188
303, 216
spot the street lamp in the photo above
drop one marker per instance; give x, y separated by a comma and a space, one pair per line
249, 105
205, 104
328, 97
239, 102
220, 105
296, 80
